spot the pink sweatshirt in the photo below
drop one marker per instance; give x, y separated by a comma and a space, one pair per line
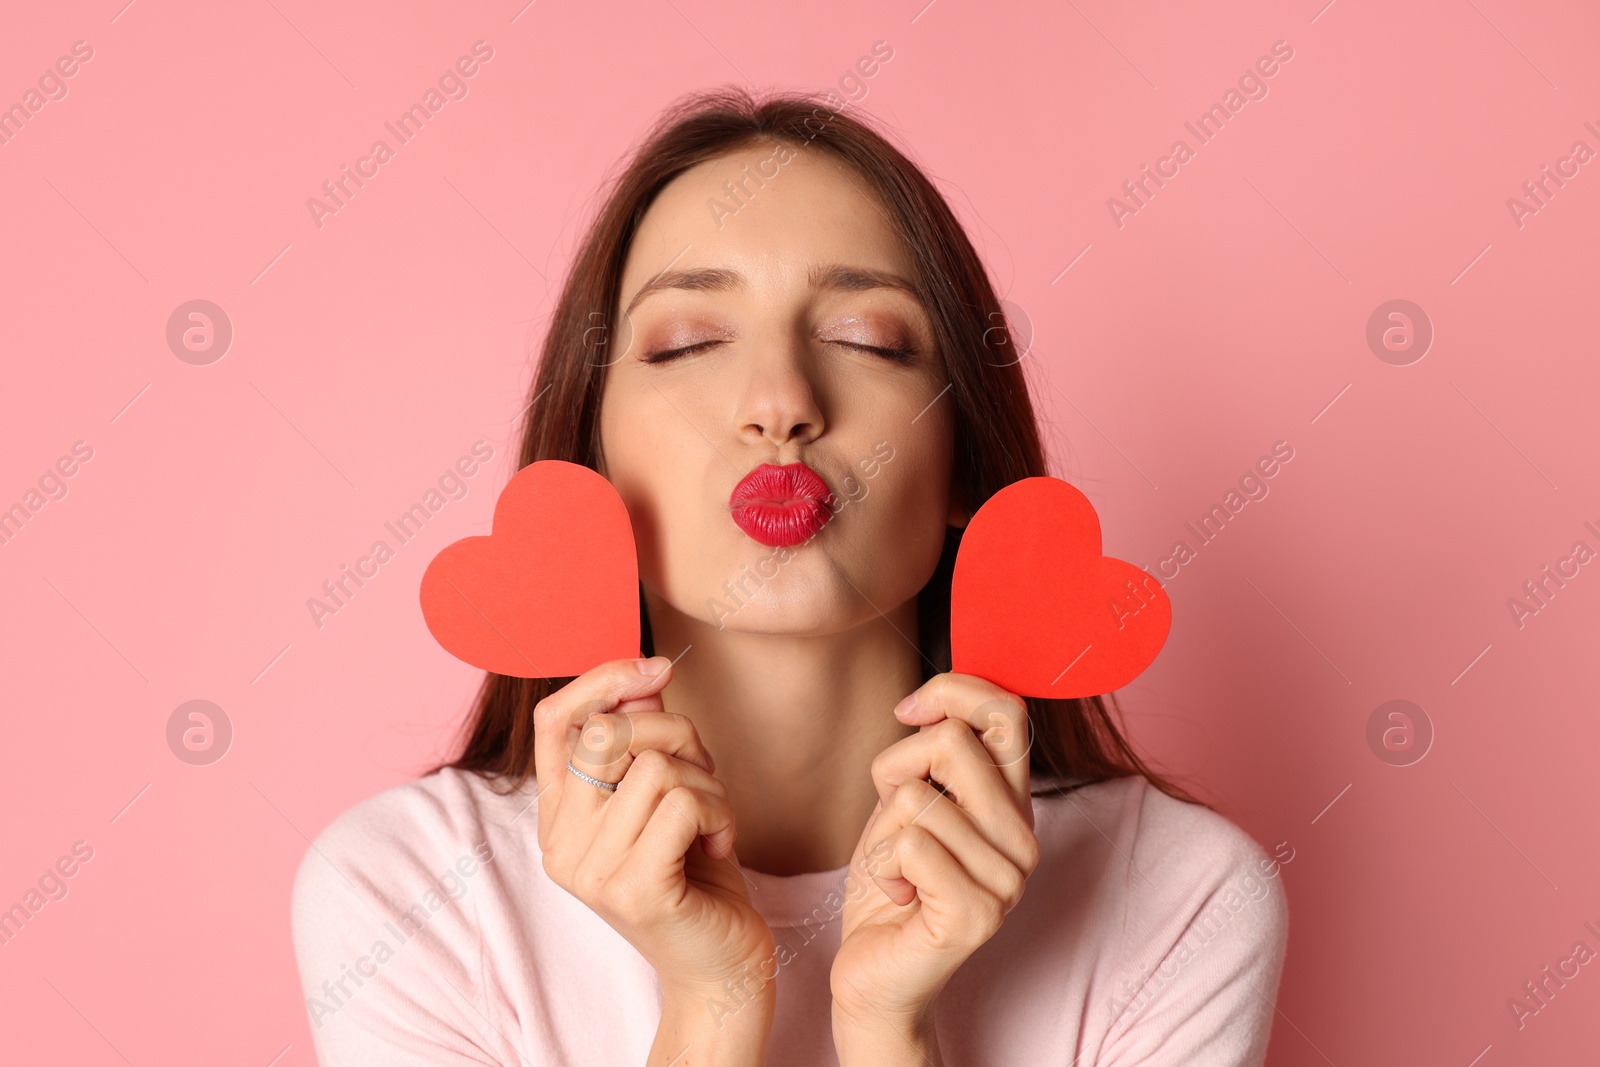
1153, 932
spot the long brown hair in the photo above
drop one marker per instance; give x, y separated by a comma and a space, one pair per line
997, 440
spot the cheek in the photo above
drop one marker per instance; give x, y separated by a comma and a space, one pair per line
641, 436
659, 465
670, 531
914, 485
900, 522
627, 462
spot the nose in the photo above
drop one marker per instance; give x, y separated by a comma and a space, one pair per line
780, 402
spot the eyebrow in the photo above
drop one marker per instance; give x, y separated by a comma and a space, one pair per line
833, 276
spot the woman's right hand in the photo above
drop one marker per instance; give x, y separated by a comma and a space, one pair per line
631, 854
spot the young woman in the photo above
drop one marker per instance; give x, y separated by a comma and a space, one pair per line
790, 835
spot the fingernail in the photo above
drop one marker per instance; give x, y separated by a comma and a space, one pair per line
653, 666
907, 705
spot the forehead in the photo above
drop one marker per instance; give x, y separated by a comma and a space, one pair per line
772, 220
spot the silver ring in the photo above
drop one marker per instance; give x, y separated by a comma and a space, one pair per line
607, 786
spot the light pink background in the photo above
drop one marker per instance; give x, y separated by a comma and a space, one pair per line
1227, 314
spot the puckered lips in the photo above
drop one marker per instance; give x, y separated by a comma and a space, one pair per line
781, 506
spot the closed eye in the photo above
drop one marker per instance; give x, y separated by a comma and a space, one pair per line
666, 354
898, 355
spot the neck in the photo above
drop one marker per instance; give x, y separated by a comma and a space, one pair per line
793, 722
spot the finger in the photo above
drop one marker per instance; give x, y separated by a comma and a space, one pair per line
952, 755
614, 685
659, 849
683, 816
1000, 869
649, 780
638, 874
557, 720
1000, 717
956, 910
608, 741
892, 815
917, 803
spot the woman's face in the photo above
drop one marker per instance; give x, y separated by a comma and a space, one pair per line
779, 288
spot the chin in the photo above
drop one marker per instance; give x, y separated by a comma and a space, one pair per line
795, 621
793, 602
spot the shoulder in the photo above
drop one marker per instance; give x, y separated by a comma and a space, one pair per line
1201, 919
385, 918
390, 841
1167, 853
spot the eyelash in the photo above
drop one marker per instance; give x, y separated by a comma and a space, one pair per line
897, 355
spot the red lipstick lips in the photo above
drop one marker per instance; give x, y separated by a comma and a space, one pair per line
781, 506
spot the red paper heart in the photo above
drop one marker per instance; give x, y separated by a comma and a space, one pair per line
552, 591
1037, 610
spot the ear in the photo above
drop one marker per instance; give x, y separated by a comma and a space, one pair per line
960, 509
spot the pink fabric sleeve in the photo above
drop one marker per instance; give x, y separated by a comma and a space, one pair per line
385, 936
1206, 929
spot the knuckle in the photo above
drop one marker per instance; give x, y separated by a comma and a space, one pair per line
1014, 703
1005, 714
622, 678
1011, 891
625, 896
590, 884
908, 800
605, 737
1030, 853
984, 909
618, 671
681, 729
880, 853
683, 799
651, 767
915, 841
990, 911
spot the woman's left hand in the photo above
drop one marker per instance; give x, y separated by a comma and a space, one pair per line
944, 867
